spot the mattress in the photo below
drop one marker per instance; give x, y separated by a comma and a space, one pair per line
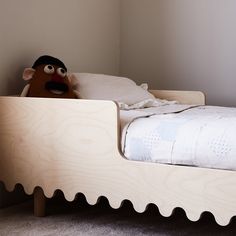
203, 136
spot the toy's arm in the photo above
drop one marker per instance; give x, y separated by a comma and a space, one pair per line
25, 91
77, 95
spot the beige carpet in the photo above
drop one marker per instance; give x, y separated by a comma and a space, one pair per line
79, 218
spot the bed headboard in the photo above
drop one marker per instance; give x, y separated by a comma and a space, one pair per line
184, 97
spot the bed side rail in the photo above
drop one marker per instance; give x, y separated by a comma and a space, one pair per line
41, 139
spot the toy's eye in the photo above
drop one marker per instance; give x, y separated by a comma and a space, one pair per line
61, 72
49, 69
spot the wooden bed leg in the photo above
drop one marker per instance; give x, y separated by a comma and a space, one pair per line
39, 203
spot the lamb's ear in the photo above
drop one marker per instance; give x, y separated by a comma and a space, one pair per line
28, 73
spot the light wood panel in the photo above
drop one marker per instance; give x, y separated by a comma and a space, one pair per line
184, 97
72, 145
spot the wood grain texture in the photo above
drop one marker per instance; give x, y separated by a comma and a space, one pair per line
185, 97
72, 145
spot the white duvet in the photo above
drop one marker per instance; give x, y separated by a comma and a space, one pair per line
203, 136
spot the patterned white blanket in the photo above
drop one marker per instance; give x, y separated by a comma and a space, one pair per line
203, 136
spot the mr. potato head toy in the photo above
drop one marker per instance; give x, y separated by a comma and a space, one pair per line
47, 78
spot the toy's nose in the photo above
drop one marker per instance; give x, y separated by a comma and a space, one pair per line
57, 78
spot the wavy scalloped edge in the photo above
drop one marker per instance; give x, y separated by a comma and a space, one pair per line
165, 212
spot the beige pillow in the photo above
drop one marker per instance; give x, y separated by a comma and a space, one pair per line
107, 87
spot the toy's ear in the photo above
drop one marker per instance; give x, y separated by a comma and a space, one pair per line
28, 73
71, 77
73, 81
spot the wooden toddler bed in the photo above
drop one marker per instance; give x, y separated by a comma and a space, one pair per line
74, 145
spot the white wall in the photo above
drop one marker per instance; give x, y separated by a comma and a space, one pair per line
83, 33
181, 44
172, 44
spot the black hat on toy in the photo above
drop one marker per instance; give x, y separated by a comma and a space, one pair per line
45, 60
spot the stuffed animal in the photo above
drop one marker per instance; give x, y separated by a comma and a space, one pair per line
47, 78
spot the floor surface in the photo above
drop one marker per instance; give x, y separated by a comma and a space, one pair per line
79, 218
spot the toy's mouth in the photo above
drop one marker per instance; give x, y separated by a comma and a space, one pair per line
56, 88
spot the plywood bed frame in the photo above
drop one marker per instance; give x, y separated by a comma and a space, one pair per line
74, 146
